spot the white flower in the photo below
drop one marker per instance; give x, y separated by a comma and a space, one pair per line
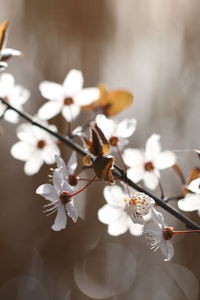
35, 147
191, 201
114, 215
67, 98
16, 95
60, 202
146, 164
67, 171
116, 134
159, 236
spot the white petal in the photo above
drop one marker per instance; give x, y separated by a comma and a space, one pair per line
47, 191
73, 83
151, 179
26, 134
48, 153
167, 250
194, 186
57, 180
60, 220
33, 164
7, 82
108, 126
108, 214
51, 90
62, 166
191, 202
165, 160
11, 116
87, 96
10, 52
120, 226
70, 112
133, 157
136, 173
126, 128
114, 195
72, 163
71, 211
50, 110
135, 229
153, 147
22, 151
18, 96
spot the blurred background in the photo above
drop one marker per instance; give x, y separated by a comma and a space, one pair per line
151, 48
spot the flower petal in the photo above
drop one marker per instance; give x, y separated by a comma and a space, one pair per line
7, 82
71, 211
49, 110
134, 228
51, 90
194, 186
57, 180
136, 173
47, 191
87, 96
153, 147
11, 116
72, 163
108, 126
151, 179
108, 214
18, 95
70, 112
191, 202
126, 128
49, 152
167, 249
120, 226
165, 160
33, 164
133, 157
60, 220
114, 196
22, 151
73, 83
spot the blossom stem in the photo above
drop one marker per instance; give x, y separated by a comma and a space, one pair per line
83, 188
117, 171
186, 231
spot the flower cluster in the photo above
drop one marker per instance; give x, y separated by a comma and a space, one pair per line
129, 206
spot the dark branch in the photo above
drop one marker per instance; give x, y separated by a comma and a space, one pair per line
117, 171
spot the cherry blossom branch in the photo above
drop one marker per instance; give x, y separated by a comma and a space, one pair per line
117, 171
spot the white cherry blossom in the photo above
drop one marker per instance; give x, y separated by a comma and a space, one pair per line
114, 213
60, 202
14, 94
146, 165
191, 201
66, 98
116, 133
158, 235
35, 147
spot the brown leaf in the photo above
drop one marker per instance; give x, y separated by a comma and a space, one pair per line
3, 28
103, 166
195, 172
111, 103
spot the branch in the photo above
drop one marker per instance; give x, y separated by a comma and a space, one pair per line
117, 171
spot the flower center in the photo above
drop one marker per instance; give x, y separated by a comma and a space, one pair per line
68, 101
73, 180
168, 233
149, 166
113, 141
41, 144
138, 205
64, 197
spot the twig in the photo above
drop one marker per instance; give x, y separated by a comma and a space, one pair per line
117, 171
